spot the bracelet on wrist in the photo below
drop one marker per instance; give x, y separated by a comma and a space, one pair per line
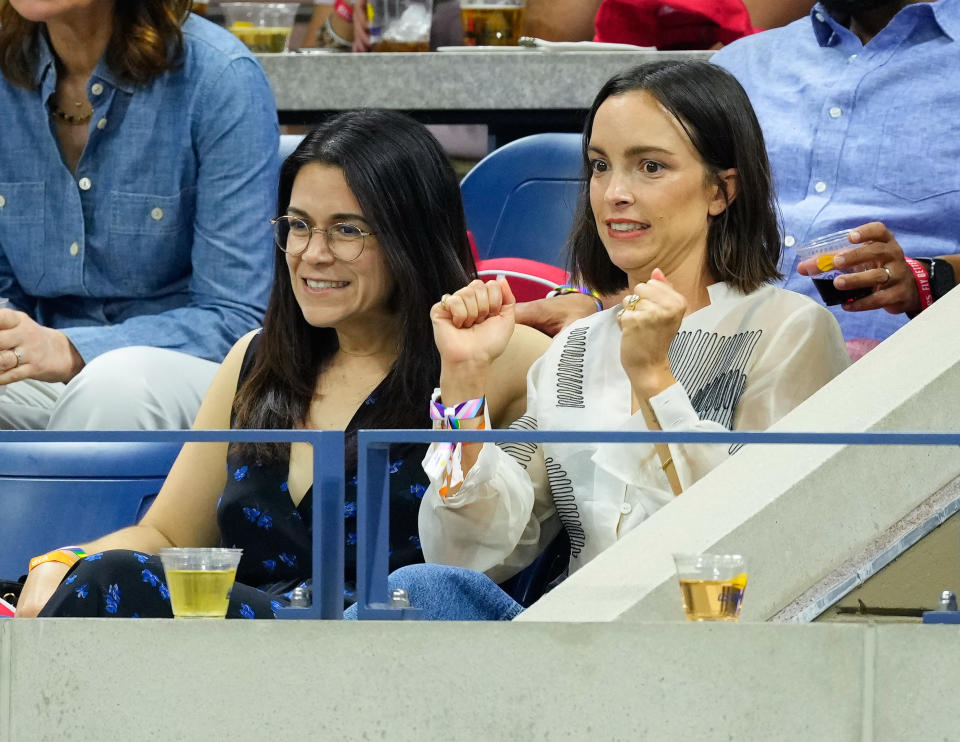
444, 460
571, 289
329, 37
922, 279
68, 555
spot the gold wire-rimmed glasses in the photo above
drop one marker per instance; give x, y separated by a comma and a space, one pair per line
293, 233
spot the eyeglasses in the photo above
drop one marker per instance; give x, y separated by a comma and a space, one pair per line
292, 235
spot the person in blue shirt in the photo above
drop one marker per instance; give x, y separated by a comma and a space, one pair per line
138, 168
858, 104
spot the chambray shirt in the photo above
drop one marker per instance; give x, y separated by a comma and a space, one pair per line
859, 133
161, 237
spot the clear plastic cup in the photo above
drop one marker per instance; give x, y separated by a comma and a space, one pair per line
263, 27
200, 580
822, 250
399, 25
492, 22
712, 585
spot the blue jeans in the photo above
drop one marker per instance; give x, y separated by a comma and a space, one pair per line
450, 594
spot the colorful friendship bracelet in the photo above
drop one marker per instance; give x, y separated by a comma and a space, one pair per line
68, 555
569, 288
444, 460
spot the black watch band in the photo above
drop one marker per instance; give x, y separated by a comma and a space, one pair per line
941, 275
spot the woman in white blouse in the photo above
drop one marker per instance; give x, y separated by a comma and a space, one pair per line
679, 207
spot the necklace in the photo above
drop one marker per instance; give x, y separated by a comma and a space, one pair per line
69, 118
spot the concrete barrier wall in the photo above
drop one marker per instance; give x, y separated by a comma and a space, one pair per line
796, 512
102, 679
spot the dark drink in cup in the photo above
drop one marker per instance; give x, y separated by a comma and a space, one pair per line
832, 295
823, 249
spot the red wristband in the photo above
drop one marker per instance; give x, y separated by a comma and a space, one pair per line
923, 283
343, 9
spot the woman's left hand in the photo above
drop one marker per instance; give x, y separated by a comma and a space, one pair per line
649, 321
31, 351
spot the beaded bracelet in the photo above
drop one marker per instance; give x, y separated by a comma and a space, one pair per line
445, 459
68, 555
336, 38
568, 288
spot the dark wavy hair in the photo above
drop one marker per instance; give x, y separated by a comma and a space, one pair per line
410, 196
146, 40
743, 242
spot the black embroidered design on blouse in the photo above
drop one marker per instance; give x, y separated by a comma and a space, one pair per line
712, 370
570, 369
566, 505
522, 453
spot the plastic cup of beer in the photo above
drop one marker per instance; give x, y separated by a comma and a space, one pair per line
712, 585
263, 27
200, 580
399, 25
818, 255
492, 22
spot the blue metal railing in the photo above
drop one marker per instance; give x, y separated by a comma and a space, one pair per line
373, 473
373, 496
327, 558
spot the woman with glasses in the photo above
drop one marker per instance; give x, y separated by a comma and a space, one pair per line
370, 231
678, 206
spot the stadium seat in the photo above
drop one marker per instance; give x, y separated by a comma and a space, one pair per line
528, 279
520, 199
57, 494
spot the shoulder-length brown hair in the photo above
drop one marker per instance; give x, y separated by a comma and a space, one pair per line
146, 40
743, 242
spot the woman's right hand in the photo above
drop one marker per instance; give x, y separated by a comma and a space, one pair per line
473, 326
41, 583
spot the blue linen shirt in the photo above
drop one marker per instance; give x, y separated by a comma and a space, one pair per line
161, 237
859, 133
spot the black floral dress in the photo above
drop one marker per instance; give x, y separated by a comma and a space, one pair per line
255, 513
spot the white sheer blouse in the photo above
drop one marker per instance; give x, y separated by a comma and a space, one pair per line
742, 362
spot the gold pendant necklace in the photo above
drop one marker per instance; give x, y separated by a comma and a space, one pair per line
69, 118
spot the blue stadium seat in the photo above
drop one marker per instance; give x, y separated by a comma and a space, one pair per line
57, 494
520, 199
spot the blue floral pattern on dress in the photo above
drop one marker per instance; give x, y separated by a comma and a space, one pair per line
349, 509
82, 591
112, 598
246, 611
241, 473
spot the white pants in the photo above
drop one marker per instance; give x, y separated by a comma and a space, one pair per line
137, 388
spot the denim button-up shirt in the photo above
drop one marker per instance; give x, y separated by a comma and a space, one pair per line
161, 237
859, 133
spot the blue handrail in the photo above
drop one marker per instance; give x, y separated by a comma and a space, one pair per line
373, 491
327, 558
373, 497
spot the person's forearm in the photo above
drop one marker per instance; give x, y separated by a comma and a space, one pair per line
136, 538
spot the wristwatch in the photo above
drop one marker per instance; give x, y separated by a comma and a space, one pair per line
941, 275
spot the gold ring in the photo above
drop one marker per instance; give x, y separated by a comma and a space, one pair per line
19, 355
630, 302
443, 301
889, 276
